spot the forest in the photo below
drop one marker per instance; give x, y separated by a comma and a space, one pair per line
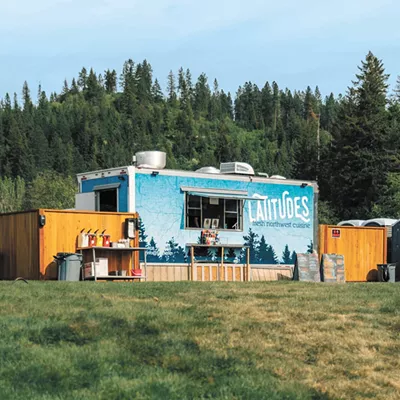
348, 142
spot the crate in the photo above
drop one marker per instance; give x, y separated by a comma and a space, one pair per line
101, 268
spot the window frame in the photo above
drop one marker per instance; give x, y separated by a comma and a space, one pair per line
239, 212
97, 197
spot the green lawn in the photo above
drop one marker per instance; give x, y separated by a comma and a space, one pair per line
272, 340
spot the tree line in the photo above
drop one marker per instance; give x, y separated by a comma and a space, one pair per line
349, 143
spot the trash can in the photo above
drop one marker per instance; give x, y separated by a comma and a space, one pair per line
388, 273
69, 266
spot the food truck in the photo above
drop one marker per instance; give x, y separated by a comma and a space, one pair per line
273, 216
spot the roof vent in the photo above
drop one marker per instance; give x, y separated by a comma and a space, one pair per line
236, 168
208, 170
150, 159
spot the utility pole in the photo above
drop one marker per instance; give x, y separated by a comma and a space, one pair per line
318, 139
318, 145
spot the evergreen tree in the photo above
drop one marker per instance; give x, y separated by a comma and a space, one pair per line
82, 80
360, 138
157, 92
171, 89
110, 81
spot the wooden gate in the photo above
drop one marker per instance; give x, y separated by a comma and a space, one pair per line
363, 249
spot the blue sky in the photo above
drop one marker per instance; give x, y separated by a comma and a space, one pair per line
296, 43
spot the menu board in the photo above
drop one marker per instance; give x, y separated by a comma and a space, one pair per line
306, 268
332, 268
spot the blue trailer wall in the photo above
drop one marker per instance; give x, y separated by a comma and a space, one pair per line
160, 204
87, 186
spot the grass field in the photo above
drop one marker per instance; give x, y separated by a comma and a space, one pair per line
272, 340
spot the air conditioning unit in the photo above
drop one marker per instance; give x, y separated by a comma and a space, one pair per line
236, 168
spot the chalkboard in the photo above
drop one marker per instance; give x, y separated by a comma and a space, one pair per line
306, 268
332, 268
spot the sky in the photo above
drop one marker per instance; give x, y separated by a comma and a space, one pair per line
295, 43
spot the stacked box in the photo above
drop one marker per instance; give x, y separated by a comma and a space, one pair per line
101, 268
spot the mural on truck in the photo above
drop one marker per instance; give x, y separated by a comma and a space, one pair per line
275, 227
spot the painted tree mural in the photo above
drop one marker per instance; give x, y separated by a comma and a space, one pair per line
266, 253
153, 254
251, 240
174, 253
142, 238
286, 256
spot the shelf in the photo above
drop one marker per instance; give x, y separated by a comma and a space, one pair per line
112, 248
115, 277
227, 245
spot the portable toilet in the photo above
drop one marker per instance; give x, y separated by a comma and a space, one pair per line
395, 247
351, 222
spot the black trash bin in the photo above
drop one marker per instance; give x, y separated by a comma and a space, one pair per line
69, 266
388, 272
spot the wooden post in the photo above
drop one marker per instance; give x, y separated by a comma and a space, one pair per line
192, 261
222, 264
248, 264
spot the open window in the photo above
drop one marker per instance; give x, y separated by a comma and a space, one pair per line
107, 197
206, 210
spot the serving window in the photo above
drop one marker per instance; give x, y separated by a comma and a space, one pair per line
213, 213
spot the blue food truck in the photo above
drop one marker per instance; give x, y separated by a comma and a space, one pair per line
274, 216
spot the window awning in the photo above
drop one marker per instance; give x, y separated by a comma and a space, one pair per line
223, 196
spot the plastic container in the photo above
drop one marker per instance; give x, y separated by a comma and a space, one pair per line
388, 273
69, 266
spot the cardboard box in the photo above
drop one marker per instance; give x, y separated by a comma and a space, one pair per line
101, 268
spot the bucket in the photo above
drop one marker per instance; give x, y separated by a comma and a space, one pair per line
136, 272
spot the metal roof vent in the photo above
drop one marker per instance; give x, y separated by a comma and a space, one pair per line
239, 168
150, 159
277, 177
208, 170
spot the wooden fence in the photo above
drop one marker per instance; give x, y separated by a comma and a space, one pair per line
19, 245
363, 248
209, 272
27, 249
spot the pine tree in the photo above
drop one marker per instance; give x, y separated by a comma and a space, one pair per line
110, 81
202, 95
82, 81
157, 93
171, 89
360, 139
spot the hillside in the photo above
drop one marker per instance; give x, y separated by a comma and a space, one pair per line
348, 143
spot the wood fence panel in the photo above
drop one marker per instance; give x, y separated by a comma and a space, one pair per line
63, 227
19, 245
362, 247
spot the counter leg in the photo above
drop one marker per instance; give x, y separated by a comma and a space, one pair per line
94, 264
